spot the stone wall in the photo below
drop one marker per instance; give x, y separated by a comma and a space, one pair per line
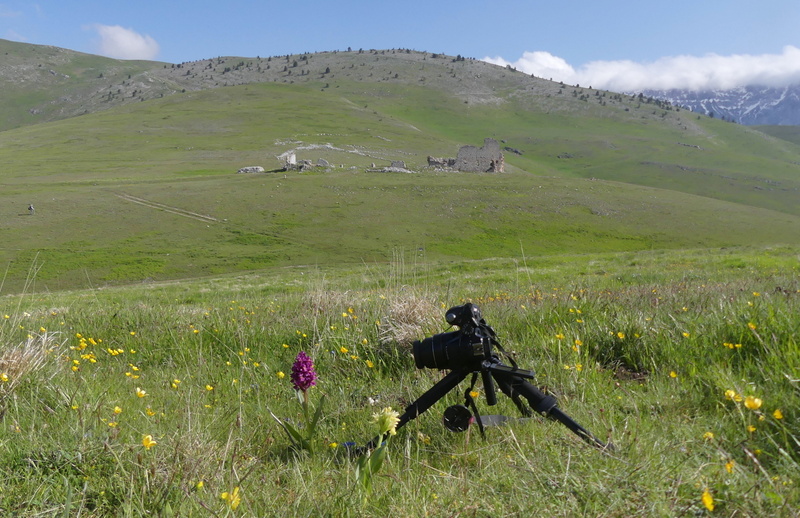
485, 159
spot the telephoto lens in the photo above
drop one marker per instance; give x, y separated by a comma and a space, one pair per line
448, 351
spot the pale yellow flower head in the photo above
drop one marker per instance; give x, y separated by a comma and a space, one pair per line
387, 420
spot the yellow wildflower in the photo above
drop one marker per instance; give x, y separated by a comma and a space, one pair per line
387, 420
752, 403
233, 499
777, 414
140, 392
708, 500
148, 442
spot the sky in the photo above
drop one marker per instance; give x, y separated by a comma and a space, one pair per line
618, 45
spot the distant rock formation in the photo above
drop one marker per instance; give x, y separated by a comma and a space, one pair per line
251, 169
485, 159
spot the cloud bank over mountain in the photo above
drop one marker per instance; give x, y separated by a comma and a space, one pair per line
121, 43
708, 72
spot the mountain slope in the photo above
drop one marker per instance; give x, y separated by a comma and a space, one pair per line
149, 190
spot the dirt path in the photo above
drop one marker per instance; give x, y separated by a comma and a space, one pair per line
168, 208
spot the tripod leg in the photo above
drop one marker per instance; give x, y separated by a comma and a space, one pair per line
515, 386
427, 400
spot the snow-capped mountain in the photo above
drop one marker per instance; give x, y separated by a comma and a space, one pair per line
749, 105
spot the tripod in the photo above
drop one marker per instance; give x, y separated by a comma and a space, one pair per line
470, 352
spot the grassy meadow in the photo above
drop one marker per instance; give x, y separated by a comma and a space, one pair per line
157, 399
149, 191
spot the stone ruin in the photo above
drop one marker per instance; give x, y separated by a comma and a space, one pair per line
251, 169
485, 159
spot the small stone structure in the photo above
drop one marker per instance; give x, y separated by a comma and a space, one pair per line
485, 159
290, 161
441, 163
251, 169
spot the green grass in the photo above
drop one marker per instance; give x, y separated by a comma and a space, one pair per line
633, 345
148, 191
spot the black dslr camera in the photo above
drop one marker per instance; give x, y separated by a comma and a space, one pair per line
469, 346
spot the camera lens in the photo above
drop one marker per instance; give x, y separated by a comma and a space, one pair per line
447, 351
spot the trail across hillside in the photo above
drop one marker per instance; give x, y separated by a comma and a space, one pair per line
168, 208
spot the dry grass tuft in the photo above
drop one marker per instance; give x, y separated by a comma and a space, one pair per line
410, 318
27, 358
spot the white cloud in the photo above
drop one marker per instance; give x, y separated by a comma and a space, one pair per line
121, 43
711, 71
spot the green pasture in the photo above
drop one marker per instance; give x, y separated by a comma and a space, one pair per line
149, 191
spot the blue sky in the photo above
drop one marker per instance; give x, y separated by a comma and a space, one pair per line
615, 44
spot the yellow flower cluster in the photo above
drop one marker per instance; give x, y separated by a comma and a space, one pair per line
232, 498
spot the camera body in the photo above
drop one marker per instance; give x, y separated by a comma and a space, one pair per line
465, 348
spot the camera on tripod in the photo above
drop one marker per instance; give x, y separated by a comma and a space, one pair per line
474, 349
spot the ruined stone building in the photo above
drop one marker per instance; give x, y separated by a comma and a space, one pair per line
485, 159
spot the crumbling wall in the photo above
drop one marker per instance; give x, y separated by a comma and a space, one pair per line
485, 159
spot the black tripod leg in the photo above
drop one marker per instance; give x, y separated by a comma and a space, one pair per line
427, 400
546, 405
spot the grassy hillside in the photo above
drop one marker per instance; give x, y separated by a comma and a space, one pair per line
149, 190
788, 133
42, 83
